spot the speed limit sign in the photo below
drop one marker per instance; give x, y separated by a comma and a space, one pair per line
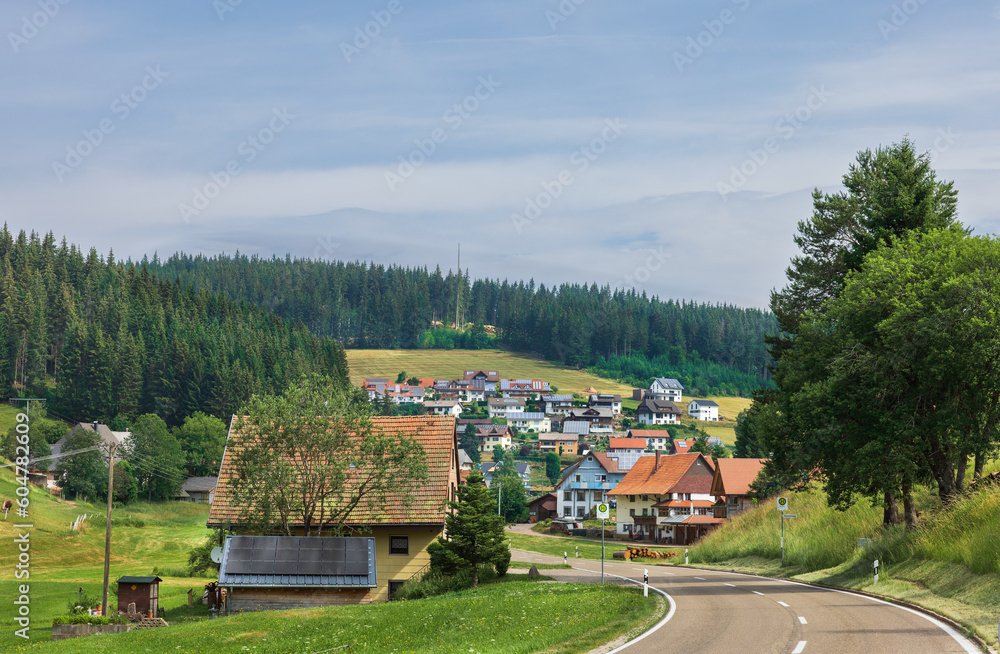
782, 503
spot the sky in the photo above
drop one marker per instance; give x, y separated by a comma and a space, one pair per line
671, 147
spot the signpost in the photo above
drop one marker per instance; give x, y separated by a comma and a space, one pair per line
645, 582
602, 513
782, 504
783, 507
876, 571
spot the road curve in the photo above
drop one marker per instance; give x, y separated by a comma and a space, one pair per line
729, 612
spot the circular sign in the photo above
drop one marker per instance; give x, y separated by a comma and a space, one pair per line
782, 503
603, 508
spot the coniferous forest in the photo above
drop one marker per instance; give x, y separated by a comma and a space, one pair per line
712, 349
103, 339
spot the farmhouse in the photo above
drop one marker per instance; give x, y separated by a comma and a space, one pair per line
731, 485
658, 412
600, 419
703, 410
400, 532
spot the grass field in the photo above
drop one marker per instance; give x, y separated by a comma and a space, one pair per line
950, 564
62, 560
451, 364
512, 617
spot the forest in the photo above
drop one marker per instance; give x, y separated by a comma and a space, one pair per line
103, 339
630, 336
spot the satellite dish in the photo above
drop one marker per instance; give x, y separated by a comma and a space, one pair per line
216, 555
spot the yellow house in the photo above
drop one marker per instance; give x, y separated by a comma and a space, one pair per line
400, 532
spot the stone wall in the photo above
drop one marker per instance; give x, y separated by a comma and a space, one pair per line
64, 631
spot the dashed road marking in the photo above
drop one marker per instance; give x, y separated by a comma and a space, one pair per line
700, 578
802, 620
798, 648
783, 604
730, 585
756, 593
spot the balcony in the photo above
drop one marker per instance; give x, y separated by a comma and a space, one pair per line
646, 520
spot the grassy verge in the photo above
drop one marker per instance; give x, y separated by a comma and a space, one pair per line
515, 617
951, 564
556, 547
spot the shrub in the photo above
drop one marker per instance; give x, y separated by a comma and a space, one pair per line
83, 618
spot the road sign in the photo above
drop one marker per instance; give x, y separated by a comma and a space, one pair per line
602, 511
791, 515
782, 503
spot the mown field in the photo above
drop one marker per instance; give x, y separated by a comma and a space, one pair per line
950, 564
63, 560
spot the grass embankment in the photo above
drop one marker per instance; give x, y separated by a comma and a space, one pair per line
62, 560
951, 564
511, 617
587, 549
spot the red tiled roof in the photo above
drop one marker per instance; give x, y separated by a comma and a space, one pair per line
611, 465
734, 476
682, 447
627, 443
703, 520
437, 436
684, 504
648, 433
646, 479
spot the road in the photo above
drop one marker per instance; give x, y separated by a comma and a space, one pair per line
715, 612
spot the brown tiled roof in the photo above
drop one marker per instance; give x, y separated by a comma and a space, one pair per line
648, 433
646, 479
734, 476
627, 443
611, 465
437, 436
703, 520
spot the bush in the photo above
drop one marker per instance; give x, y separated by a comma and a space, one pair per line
83, 618
438, 583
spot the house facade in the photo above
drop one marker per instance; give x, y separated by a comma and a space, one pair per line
522, 388
607, 401
666, 388
536, 422
558, 443
500, 406
585, 483
657, 412
444, 407
398, 393
656, 439
400, 530
666, 499
461, 390
492, 435
731, 485
488, 377
558, 404
523, 472
703, 410
601, 420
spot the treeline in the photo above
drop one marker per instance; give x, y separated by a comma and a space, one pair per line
373, 306
102, 339
700, 378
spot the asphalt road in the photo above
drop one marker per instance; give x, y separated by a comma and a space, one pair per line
722, 612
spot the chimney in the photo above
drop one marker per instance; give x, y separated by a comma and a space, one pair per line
657, 466
95, 425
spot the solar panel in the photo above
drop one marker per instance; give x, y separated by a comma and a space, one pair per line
294, 555
310, 568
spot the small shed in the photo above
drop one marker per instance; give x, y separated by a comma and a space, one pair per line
144, 591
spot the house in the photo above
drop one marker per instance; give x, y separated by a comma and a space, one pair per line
703, 410
666, 499
584, 484
465, 463
197, 489
499, 406
558, 443
398, 393
492, 435
536, 422
731, 485
664, 388
488, 377
656, 439
400, 532
600, 419
627, 451
542, 508
657, 412
557, 404
522, 388
465, 391
683, 446
108, 437
607, 401
444, 407
523, 471
579, 427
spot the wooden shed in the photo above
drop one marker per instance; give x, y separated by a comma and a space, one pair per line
144, 591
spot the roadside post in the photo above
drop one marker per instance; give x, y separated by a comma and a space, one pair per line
565, 554
602, 513
783, 507
876, 571
645, 582
577, 551
685, 556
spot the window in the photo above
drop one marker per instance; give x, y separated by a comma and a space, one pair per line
645, 511
581, 495
394, 587
590, 458
631, 498
631, 512
567, 511
664, 513
399, 544
567, 496
602, 477
578, 477
579, 511
645, 498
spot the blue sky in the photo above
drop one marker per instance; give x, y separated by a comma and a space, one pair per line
667, 146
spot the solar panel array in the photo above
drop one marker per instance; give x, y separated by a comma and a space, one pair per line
290, 555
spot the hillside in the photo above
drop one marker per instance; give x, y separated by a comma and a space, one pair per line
949, 564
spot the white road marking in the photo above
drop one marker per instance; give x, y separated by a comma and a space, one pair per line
756, 593
700, 578
783, 604
730, 585
798, 648
665, 620
802, 620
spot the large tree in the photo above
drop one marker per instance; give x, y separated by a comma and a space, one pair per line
84, 474
474, 533
313, 458
510, 488
203, 440
470, 442
156, 457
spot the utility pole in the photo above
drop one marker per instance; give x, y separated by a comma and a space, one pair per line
107, 532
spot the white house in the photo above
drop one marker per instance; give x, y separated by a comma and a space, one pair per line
492, 435
529, 421
444, 407
656, 439
500, 406
558, 404
703, 410
607, 401
665, 388
658, 412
